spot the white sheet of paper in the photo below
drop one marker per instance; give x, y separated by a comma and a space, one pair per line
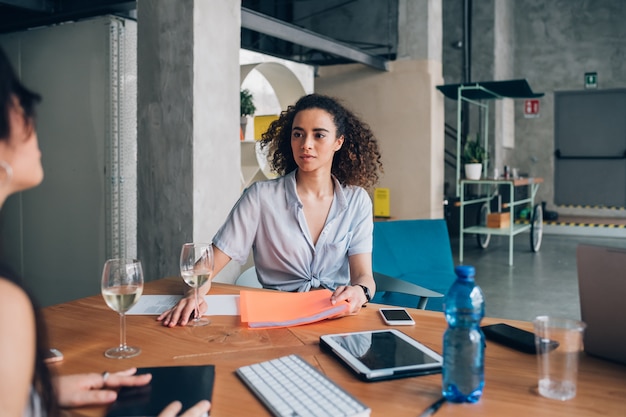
218, 305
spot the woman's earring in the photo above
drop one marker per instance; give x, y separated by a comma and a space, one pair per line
6, 173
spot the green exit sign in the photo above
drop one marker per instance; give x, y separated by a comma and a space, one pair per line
591, 80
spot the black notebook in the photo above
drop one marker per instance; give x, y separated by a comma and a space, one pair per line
187, 384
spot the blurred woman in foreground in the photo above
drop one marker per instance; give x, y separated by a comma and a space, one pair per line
27, 387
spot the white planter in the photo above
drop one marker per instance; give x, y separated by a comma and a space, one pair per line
473, 171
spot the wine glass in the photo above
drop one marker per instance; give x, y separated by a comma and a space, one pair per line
122, 285
196, 268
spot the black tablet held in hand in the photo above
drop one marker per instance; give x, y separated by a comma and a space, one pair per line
378, 355
513, 337
187, 384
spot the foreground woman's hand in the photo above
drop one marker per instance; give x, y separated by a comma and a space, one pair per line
197, 410
100, 389
95, 389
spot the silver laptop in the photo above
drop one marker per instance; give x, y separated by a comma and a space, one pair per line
602, 288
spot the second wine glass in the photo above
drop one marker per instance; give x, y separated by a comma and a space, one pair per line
196, 268
122, 285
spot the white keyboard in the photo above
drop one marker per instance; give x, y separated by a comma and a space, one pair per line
290, 387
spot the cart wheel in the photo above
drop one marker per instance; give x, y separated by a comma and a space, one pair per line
483, 239
536, 228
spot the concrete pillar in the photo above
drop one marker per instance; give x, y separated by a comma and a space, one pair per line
504, 64
420, 29
188, 126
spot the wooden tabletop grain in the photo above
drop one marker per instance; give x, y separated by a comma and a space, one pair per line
85, 328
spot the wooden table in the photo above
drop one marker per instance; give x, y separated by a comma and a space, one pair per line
85, 328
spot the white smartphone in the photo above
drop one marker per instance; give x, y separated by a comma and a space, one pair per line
396, 316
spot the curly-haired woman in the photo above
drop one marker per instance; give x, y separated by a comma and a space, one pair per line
312, 226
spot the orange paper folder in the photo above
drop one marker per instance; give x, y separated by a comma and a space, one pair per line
271, 309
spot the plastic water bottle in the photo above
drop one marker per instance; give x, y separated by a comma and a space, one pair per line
464, 341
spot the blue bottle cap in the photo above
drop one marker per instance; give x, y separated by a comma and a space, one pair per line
465, 271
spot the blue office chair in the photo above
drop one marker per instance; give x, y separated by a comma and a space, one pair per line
412, 263
248, 278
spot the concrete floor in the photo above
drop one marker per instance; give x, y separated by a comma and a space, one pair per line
538, 283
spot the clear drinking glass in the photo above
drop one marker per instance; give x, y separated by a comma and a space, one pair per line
196, 268
559, 343
122, 285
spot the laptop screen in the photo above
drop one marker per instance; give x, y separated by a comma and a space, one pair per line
602, 290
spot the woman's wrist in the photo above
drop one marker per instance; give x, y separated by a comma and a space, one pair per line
367, 296
202, 290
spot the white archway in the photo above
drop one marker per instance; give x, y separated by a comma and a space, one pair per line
287, 89
286, 85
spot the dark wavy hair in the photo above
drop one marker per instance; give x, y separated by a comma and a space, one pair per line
357, 162
10, 89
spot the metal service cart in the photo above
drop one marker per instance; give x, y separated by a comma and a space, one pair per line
478, 94
482, 232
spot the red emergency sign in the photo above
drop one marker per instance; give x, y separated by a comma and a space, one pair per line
531, 108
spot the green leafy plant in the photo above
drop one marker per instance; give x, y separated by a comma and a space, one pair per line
473, 152
247, 107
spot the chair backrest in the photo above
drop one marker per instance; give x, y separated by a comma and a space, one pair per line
248, 278
417, 251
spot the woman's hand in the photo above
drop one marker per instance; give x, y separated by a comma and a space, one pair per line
353, 294
360, 274
197, 410
95, 389
184, 309
92, 389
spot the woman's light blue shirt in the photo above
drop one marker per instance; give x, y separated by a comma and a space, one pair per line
269, 219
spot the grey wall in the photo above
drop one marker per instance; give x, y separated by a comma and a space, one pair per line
58, 235
553, 43
556, 43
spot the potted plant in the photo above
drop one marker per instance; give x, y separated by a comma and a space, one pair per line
474, 156
246, 108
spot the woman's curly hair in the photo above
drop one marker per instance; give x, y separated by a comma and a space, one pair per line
357, 162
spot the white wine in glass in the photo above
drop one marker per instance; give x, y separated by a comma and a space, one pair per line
196, 267
122, 285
